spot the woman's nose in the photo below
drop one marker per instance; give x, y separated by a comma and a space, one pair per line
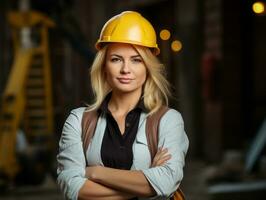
125, 69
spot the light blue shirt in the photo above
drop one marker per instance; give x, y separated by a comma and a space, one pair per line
164, 179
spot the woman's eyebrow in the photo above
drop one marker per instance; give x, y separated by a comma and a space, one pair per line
116, 55
133, 56
136, 56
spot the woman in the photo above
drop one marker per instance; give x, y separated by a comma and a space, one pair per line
129, 85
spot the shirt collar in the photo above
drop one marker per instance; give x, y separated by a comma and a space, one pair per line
104, 106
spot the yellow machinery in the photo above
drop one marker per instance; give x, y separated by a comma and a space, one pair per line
27, 99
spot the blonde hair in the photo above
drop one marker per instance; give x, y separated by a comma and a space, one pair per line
155, 90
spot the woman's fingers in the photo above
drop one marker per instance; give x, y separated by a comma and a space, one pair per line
161, 157
160, 153
163, 160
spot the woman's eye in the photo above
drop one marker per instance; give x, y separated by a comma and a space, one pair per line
137, 60
115, 59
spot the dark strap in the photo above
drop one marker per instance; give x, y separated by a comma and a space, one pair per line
152, 130
88, 123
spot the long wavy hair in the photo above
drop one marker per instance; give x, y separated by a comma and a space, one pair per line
155, 92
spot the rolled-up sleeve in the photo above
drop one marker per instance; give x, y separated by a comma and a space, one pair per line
71, 160
166, 179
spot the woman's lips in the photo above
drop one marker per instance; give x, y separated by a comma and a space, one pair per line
124, 80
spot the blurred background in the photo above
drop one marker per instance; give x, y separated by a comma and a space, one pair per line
215, 55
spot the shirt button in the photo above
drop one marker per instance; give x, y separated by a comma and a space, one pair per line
122, 147
127, 124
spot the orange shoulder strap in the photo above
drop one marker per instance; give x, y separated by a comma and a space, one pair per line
152, 129
88, 124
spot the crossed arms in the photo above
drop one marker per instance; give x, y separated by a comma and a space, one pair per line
108, 183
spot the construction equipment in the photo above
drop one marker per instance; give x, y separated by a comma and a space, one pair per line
27, 99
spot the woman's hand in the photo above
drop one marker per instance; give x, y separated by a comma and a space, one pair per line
161, 157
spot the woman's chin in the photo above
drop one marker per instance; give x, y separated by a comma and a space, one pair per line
126, 90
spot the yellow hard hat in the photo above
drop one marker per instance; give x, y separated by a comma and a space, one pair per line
129, 27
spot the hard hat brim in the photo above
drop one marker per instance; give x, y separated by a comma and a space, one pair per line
100, 44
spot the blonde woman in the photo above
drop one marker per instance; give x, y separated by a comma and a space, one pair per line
129, 85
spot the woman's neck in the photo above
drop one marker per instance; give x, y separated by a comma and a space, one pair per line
123, 103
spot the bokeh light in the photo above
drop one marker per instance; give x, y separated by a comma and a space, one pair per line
176, 45
165, 34
258, 7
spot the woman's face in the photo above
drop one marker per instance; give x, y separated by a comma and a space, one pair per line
124, 68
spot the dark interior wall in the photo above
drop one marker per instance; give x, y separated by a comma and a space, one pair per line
2, 39
234, 104
259, 75
238, 82
189, 28
5, 45
244, 73
211, 64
